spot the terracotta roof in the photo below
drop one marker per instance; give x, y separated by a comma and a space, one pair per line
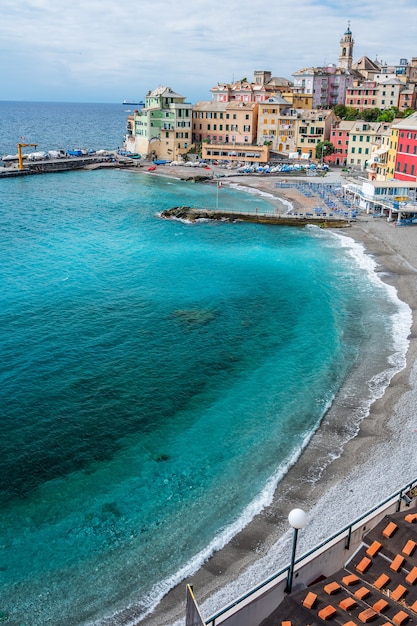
378, 584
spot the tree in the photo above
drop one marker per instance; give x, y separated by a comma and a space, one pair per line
351, 114
370, 115
324, 148
386, 116
340, 111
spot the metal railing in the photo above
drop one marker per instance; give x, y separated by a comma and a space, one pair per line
347, 531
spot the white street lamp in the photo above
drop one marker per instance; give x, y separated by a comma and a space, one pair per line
297, 519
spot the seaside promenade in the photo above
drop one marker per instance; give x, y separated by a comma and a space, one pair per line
378, 460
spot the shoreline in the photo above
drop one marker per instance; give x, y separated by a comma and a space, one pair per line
371, 466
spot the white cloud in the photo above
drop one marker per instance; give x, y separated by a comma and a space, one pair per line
108, 50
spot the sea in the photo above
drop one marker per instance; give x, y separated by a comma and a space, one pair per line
158, 378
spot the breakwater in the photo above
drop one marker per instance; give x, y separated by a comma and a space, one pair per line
193, 214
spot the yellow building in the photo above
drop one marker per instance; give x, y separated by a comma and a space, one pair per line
228, 131
312, 126
378, 161
276, 122
392, 152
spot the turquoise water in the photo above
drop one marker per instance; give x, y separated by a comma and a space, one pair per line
157, 379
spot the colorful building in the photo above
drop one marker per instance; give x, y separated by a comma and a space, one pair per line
311, 128
406, 157
276, 124
339, 136
209, 121
263, 86
228, 131
162, 129
408, 98
389, 93
361, 137
378, 161
362, 95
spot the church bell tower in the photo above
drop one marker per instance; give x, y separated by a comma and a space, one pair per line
346, 49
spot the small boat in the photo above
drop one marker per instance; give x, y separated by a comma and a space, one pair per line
134, 104
152, 168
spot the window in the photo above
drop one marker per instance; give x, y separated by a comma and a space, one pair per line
405, 168
353, 150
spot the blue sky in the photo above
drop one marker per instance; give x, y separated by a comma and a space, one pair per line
111, 50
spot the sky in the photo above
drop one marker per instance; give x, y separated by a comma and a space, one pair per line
112, 50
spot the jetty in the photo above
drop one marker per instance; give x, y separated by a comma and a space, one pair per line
65, 164
193, 214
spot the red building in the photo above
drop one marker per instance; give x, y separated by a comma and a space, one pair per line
406, 157
339, 136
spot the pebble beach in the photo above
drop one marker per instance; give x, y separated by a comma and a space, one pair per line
376, 462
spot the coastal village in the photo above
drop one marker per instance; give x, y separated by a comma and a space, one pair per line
359, 115
356, 118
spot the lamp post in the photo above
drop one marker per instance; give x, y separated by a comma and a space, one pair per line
297, 519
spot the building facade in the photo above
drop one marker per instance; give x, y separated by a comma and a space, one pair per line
276, 124
312, 127
263, 86
339, 136
163, 128
378, 161
361, 137
406, 155
362, 96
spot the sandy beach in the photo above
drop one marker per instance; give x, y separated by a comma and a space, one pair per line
377, 461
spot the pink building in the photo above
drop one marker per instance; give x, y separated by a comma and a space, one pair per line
339, 136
